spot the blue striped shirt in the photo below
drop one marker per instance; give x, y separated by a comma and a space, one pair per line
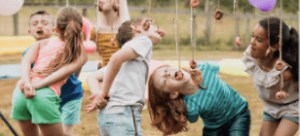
216, 105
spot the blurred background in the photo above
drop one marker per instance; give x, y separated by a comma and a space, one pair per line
210, 34
215, 40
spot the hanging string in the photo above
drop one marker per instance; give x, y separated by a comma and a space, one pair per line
149, 8
236, 15
192, 32
176, 39
280, 44
218, 4
269, 32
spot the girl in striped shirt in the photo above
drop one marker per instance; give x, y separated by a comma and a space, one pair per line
175, 97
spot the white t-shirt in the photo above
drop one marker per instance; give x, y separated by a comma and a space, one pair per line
128, 88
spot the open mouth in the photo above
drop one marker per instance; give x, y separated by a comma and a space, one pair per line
40, 32
178, 75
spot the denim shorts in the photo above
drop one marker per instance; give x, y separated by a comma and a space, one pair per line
238, 126
121, 124
70, 112
268, 117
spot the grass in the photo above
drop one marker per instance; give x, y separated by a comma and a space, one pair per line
89, 127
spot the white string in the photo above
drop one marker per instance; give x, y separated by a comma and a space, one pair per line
192, 32
176, 39
280, 44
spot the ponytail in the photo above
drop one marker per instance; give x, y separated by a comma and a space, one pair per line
69, 24
289, 39
290, 53
73, 38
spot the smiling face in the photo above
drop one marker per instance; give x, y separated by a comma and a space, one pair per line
41, 26
259, 42
169, 80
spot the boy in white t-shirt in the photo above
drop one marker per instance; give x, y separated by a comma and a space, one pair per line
125, 79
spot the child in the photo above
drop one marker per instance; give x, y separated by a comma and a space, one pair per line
63, 54
41, 23
111, 16
175, 97
280, 117
125, 79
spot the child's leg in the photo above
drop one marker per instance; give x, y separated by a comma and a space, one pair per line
51, 129
268, 128
286, 128
240, 125
44, 110
68, 130
28, 129
121, 123
269, 125
70, 115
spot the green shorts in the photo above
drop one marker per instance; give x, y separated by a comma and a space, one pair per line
70, 112
41, 109
268, 117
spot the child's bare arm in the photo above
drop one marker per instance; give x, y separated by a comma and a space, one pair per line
29, 58
123, 11
94, 80
77, 73
114, 65
63, 73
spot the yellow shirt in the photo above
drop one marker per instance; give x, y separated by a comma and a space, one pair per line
105, 47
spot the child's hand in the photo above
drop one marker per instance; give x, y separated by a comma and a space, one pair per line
21, 85
195, 3
35, 85
28, 90
91, 107
99, 102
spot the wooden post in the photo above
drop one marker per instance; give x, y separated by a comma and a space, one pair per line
16, 24
84, 12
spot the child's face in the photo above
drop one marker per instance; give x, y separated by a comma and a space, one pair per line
41, 27
166, 78
259, 42
106, 5
153, 34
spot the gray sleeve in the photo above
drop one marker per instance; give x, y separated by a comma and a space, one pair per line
141, 45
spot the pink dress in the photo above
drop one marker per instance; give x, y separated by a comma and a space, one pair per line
45, 56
